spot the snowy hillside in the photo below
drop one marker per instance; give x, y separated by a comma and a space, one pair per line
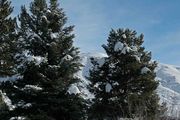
169, 88
168, 75
85, 72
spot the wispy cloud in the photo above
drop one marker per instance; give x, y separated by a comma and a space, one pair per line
94, 20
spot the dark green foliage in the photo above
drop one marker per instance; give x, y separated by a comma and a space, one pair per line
7, 48
47, 61
6, 23
7, 38
129, 72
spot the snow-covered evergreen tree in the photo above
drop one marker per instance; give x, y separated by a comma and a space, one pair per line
124, 82
7, 48
47, 61
7, 38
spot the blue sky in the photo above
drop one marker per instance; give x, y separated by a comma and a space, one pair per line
158, 20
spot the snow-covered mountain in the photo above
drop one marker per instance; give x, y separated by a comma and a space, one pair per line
168, 76
169, 87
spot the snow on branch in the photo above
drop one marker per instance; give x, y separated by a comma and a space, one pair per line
73, 89
32, 87
145, 70
7, 101
108, 87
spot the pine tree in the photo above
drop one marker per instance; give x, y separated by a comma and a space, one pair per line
124, 82
7, 48
47, 62
7, 39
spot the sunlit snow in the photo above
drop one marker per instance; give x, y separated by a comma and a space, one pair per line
144, 70
108, 87
73, 89
118, 46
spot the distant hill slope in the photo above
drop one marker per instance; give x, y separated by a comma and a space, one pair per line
168, 76
169, 88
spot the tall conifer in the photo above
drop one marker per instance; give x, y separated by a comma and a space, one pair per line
47, 62
7, 48
7, 39
124, 82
